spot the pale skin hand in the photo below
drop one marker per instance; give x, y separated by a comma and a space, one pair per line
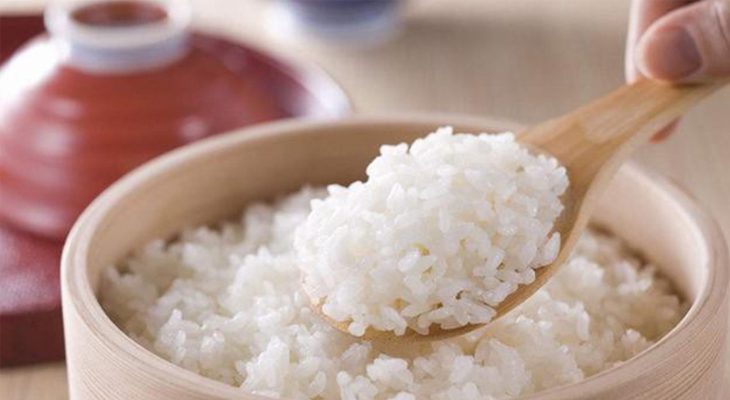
678, 41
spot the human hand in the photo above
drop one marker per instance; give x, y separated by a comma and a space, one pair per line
678, 41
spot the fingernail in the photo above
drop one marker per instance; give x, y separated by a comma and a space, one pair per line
669, 54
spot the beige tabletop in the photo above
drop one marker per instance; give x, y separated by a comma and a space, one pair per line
524, 60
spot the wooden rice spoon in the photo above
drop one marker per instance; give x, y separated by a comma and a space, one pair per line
591, 142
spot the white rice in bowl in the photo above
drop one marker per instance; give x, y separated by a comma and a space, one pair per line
226, 303
439, 233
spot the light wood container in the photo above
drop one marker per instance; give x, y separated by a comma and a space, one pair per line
216, 178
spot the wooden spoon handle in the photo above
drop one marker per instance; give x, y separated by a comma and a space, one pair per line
599, 136
591, 143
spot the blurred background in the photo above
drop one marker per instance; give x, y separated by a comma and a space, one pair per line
520, 60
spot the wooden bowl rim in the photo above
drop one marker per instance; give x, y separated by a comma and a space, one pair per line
78, 293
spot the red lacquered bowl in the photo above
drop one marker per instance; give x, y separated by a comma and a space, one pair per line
113, 85
78, 109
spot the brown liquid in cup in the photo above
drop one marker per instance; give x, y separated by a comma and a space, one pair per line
121, 13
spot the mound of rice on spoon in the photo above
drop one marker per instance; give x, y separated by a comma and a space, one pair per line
439, 234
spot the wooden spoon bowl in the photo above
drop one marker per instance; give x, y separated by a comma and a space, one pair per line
591, 142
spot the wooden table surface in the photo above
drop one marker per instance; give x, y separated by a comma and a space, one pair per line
524, 60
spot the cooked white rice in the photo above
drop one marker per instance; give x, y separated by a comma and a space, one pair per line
226, 303
439, 233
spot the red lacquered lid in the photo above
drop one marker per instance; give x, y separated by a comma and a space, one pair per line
115, 84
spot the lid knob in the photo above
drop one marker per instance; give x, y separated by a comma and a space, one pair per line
119, 36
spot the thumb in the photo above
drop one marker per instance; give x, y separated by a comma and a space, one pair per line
688, 44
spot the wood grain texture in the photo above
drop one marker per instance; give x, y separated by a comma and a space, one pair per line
526, 60
591, 142
217, 178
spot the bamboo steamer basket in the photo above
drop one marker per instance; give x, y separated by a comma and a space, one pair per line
215, 179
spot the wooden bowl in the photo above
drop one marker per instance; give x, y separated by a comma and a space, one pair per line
216, 178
